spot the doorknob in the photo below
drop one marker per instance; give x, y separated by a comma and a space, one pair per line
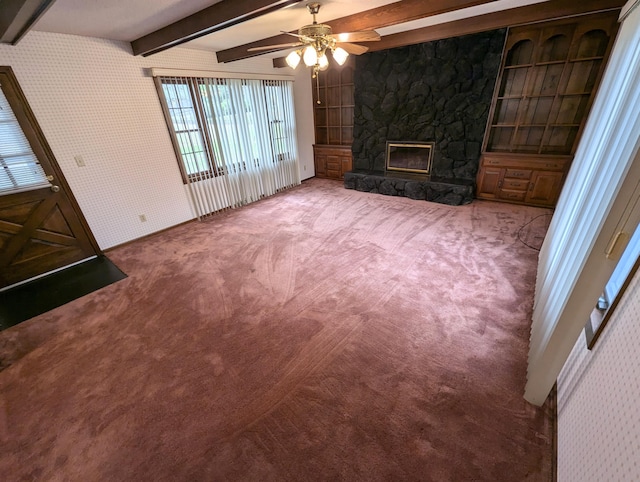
55, 188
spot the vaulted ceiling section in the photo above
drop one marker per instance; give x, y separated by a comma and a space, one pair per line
408, 10
218, 16
406, 22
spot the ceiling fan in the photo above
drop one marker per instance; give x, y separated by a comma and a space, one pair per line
315, 39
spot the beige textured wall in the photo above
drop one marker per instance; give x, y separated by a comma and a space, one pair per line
93, 98
599, 401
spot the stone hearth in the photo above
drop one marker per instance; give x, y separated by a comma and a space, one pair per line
444, 191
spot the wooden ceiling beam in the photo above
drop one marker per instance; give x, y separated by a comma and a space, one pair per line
505, 18
385, 16
18, 16
218, 16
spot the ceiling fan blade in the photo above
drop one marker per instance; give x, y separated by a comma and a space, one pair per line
303, 37
275, 47
362, 36
353, 48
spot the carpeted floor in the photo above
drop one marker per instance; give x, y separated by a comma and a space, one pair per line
321, 334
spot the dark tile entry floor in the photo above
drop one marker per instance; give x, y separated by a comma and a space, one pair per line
31, 299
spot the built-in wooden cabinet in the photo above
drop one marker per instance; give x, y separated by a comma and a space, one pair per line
546, 85
521, 179
332, 161
333, 118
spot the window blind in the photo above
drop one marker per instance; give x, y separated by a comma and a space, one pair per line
19, 167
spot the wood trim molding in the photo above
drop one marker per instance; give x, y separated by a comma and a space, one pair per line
219, 16
385, 16
147, 236
18, 16
505, 18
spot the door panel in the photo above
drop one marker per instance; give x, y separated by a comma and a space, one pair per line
41, 229
489, 182
545, 188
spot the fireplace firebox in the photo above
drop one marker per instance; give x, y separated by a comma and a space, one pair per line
412, 158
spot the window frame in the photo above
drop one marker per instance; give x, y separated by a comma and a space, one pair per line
205, 126
213, 170
599, 318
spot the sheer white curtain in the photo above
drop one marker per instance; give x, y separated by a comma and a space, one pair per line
235, 137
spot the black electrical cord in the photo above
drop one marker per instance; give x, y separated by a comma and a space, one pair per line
527, 224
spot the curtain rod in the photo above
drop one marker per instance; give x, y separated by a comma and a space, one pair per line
160, 72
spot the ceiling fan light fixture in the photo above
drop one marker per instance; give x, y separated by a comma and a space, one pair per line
323, 62
293, 59
340, 55
310, 56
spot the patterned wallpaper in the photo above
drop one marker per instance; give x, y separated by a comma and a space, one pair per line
599, 401
94, 99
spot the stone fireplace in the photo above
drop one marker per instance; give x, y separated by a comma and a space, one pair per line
435, 93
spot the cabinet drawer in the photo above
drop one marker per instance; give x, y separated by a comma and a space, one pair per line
527, 162
518, 173
551, 165
333, 164
513, 195
487, 161
515, 184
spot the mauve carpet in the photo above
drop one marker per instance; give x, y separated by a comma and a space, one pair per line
320, 334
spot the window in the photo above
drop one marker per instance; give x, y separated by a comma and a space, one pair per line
20, 169
211, 119
186, 128
234, 138
613, 290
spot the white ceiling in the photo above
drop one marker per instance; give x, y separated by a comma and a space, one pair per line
128, 20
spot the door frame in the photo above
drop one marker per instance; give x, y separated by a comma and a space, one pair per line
37, 140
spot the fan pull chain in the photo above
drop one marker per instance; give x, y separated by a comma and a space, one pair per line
318, 89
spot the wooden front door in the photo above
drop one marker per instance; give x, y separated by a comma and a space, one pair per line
41, 226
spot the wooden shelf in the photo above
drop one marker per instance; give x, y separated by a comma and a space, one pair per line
544, 91
519, 66
333, 119
550, 62
586, 59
